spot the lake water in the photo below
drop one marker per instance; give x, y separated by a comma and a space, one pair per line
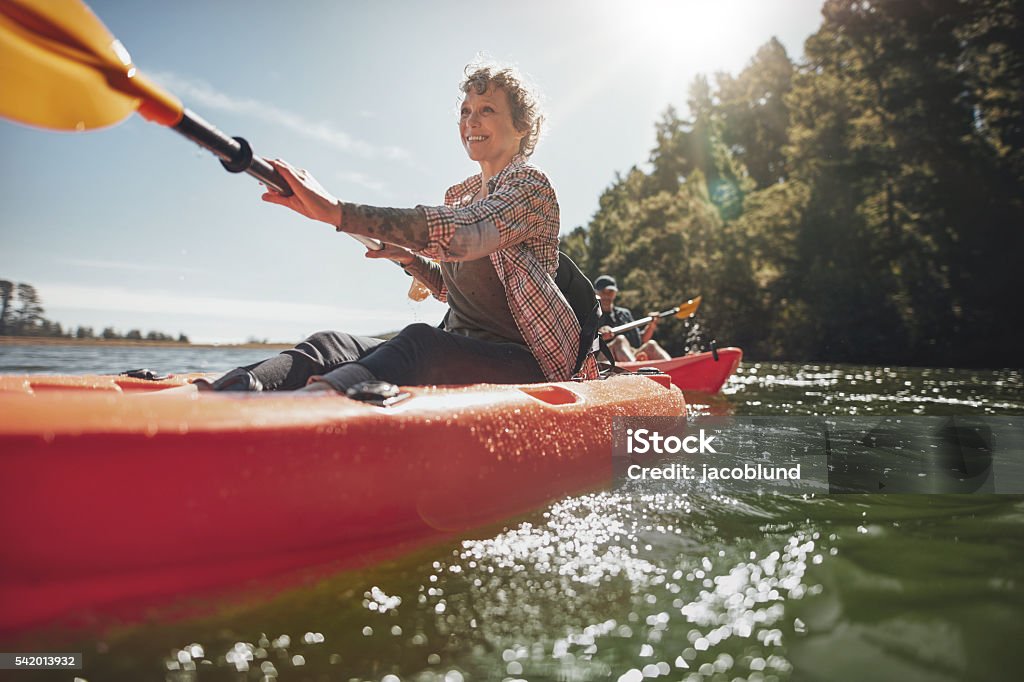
665, 585
96, 359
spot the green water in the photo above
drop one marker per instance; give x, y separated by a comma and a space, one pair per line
661, 586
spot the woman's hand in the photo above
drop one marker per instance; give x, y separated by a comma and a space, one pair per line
605, 333
309, 198
317, 385
398, 254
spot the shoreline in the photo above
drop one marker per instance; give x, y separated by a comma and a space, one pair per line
64, 341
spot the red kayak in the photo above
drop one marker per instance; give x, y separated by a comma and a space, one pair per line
117, 492
699, 372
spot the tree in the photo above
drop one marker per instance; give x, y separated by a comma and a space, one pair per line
755, 115
6, 294
769, 229
696, 144
908, 191
28, 318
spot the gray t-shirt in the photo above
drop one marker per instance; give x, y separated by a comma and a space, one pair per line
478, 303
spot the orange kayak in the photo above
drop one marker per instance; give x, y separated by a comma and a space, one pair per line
119, 491
700, 372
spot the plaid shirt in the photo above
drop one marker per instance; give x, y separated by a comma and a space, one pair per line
517, 225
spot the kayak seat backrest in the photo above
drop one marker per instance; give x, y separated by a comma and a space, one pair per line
579, 292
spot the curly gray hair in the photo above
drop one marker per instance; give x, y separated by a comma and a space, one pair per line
526, 113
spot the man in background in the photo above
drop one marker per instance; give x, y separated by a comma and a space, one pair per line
629, 345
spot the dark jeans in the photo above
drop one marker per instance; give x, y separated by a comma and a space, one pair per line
419, 355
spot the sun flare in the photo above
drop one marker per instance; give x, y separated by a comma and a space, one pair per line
680, 31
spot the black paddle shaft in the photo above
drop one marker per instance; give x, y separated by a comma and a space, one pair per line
234, 153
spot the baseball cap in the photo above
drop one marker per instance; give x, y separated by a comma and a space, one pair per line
605, 282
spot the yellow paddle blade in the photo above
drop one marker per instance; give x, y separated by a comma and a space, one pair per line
689, 308
60, 68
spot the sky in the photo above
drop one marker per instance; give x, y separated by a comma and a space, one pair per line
135, 227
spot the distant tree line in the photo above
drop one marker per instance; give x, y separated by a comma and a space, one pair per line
22, 314
864, 205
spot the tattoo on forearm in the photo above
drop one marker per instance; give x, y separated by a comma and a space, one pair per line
402, 226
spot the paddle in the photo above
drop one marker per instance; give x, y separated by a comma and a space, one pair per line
681, 311
63, 70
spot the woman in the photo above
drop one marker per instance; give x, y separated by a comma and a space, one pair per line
495, 241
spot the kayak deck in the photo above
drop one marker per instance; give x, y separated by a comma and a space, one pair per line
116, 490
699, 372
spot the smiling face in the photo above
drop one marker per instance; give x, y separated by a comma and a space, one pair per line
487, 131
